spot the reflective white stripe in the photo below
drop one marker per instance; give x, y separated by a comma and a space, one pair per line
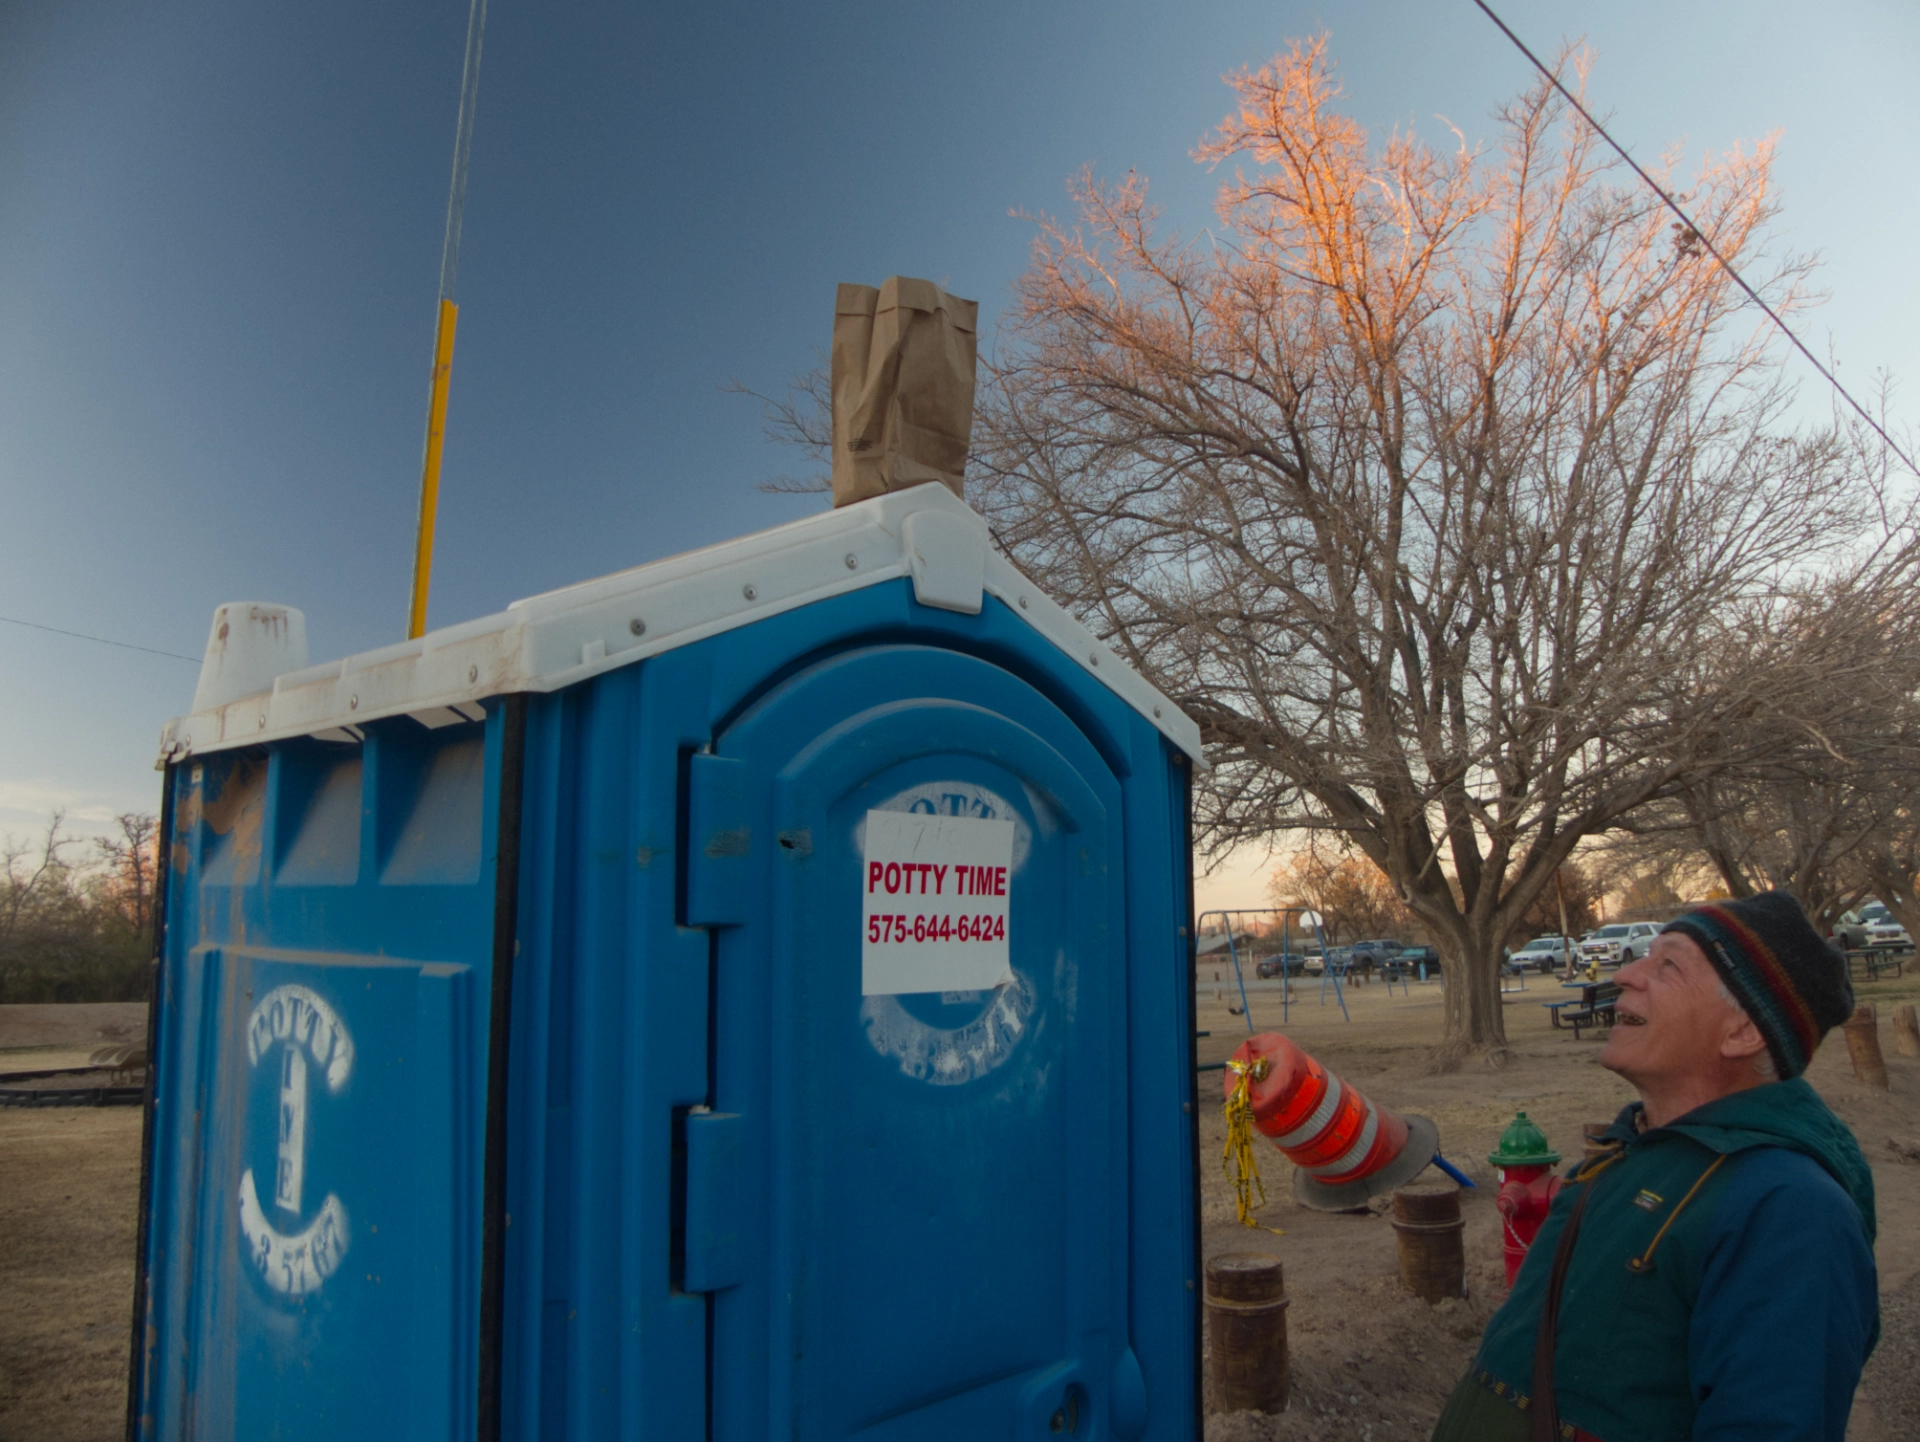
1315, 1124
1355, 1154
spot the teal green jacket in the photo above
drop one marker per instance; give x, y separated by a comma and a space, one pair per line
1722, 1285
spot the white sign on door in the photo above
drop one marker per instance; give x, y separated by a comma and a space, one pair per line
935, 903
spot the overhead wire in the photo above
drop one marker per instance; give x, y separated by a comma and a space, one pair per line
462, 148
83, 636
1699, 235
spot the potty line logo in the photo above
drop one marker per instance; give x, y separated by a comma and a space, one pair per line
295, 1032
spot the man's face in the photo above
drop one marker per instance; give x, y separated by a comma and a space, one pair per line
1671, 1019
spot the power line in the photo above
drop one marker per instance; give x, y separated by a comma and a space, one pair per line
83, 636
462, 148
1685, 219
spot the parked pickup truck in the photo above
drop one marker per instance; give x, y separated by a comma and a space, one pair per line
1618, 944
1366, 955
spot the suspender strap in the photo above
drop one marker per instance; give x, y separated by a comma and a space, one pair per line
1545, 1410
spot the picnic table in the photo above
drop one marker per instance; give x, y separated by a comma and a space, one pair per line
1867, 963
1594, 1006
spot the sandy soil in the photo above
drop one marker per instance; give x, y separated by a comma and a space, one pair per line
75, 1026
30, 1059
70, 1184
1370, 1361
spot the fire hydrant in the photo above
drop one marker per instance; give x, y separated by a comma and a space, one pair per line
1527, 1188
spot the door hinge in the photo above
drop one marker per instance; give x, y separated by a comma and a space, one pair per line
716, 1210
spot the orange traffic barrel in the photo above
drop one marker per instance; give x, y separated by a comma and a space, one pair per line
1347, 1149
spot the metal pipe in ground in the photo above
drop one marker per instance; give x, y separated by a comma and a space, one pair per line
1906, 1030
1863, 1046
1247, 1332
1433, 1260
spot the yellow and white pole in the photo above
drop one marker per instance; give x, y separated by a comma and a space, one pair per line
430, 468
443, 330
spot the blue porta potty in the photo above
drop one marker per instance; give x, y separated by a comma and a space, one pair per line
744, 997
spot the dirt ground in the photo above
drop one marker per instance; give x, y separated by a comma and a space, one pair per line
69, 1184
78, 1026
1370, 1362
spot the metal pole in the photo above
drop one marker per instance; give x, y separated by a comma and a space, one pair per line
1286, 969
1326, 971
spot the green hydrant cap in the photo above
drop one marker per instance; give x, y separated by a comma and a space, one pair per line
1523, 1145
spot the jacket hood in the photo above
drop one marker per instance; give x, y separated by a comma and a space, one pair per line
1786, 1114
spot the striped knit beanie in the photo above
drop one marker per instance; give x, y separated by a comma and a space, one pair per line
1785, 976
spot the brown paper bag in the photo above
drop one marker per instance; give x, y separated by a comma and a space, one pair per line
902, 375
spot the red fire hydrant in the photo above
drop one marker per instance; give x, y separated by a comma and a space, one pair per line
1527, 1188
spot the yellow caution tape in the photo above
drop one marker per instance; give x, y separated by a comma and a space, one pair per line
1238, 1160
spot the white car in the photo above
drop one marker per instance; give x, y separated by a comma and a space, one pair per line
1618, 944
1543, 953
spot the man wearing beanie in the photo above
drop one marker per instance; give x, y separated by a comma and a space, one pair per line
1711, 1276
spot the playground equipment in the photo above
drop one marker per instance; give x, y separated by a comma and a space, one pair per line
1308, 919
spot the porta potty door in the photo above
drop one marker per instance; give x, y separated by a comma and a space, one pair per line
909, 1197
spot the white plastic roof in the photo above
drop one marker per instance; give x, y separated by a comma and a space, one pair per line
547, 642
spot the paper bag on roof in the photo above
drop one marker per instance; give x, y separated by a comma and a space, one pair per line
902, 387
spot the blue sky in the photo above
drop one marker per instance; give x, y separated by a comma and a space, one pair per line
220, 229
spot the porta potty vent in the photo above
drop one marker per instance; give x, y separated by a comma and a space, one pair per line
250, 645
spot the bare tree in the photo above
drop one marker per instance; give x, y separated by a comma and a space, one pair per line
801, 417
1421, 485
1353, 897
131, 862
1891, 868
1833, 814
33, 877
74, 931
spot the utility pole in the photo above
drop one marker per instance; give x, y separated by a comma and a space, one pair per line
1566, 941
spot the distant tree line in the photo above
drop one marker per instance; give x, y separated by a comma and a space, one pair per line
76, 919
